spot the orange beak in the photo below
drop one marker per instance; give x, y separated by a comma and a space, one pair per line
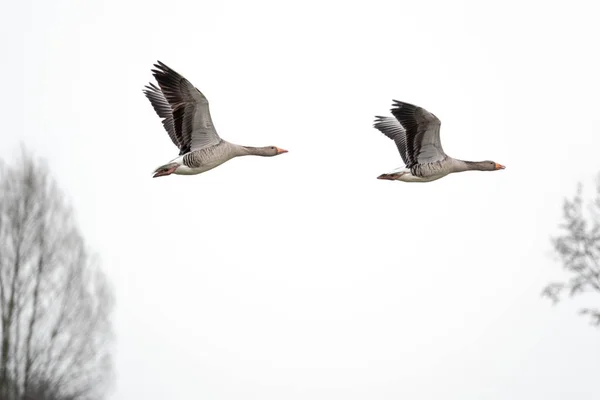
499, 166
281, 151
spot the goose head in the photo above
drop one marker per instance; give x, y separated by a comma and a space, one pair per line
267, 151
489, 166
275, 151
495, 166
481, 166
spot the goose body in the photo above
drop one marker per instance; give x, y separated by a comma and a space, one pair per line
416, 133
186, 117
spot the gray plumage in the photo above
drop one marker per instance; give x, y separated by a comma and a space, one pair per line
186, 118
416, 133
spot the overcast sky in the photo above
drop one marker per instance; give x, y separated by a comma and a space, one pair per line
302, 276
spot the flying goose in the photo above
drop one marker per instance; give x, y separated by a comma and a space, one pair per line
416, 133
186, 118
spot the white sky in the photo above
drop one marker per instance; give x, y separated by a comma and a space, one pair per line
302, 276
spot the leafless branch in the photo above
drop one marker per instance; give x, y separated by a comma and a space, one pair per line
579, 250
55, 324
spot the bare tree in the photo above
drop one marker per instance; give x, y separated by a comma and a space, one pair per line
55, 303
579, 250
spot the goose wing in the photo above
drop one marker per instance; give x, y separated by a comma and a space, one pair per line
192, 124
391, 128
423, 143
163, 109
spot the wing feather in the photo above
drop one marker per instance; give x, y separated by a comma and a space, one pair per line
163, 109
391, 128
191, 115
422, 133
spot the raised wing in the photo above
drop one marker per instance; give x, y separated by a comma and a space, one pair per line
422, 133
163, 109
191, 115
391, 128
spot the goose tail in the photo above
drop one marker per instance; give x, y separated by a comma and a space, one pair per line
395, 174
165, 170
388, 177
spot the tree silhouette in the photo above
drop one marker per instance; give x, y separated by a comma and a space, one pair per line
55, 302
579, 250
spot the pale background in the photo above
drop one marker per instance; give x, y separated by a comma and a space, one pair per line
302, 276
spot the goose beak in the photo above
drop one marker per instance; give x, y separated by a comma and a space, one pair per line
499, 166
281, 151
